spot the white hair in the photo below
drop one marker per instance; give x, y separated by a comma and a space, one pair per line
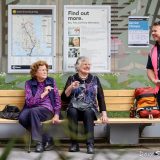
79, 62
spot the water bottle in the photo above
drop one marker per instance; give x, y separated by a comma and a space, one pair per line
132, 112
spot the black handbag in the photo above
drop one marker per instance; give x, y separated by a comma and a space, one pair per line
10, 112
80, 105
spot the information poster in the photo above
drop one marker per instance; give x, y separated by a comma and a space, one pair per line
31, 36
138, 31
87, 32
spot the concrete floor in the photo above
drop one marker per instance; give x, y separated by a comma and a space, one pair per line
103, 152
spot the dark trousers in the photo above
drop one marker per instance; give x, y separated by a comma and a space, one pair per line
31, 118
87, 117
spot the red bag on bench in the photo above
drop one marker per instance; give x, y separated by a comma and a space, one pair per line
145, 105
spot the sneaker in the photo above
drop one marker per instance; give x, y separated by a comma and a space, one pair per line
90, 149
48, 146
74, 148
39, 147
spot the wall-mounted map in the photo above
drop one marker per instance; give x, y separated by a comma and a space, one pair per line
31, 36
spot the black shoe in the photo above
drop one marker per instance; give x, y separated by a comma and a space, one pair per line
39, 147
74, 148
90, 149
48, 146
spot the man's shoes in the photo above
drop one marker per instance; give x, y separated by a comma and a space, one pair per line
90, 149
39, 147
48, 146
157, 153
74, 148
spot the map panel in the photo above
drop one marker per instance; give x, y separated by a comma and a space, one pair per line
31, 36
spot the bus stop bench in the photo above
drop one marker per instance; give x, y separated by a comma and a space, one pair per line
11, 128
122, 130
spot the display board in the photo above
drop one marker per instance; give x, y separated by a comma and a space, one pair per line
87, 32
138, 31
31, 36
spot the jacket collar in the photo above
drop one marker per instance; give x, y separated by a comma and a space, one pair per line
88, 80
34, 82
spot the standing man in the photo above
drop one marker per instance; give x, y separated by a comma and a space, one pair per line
153, 64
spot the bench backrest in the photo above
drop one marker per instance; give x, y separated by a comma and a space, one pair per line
116, 100
13, 97
119, 100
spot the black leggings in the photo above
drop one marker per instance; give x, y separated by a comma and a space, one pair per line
87, 116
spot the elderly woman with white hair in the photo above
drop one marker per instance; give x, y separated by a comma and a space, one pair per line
82, 91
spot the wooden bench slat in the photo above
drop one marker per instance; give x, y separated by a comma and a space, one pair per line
117, 100
133, 120
118, 107
2, 120
12, 93
10, 100
115, 93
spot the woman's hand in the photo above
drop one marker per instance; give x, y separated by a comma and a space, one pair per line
104, 117
55, 119
75, 84
46, 91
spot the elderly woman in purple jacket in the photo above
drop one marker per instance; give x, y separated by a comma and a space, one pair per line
42, 102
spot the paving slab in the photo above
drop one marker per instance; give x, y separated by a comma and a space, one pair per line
101, 153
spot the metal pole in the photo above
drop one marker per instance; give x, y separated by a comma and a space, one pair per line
1, 36
59, 31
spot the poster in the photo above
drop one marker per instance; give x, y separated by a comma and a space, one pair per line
31, 36
138, 31
87, 33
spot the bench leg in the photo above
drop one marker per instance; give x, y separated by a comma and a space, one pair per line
29, 143
124, 133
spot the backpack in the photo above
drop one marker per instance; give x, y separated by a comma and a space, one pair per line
145, 103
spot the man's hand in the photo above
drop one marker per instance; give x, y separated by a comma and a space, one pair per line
157, 82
